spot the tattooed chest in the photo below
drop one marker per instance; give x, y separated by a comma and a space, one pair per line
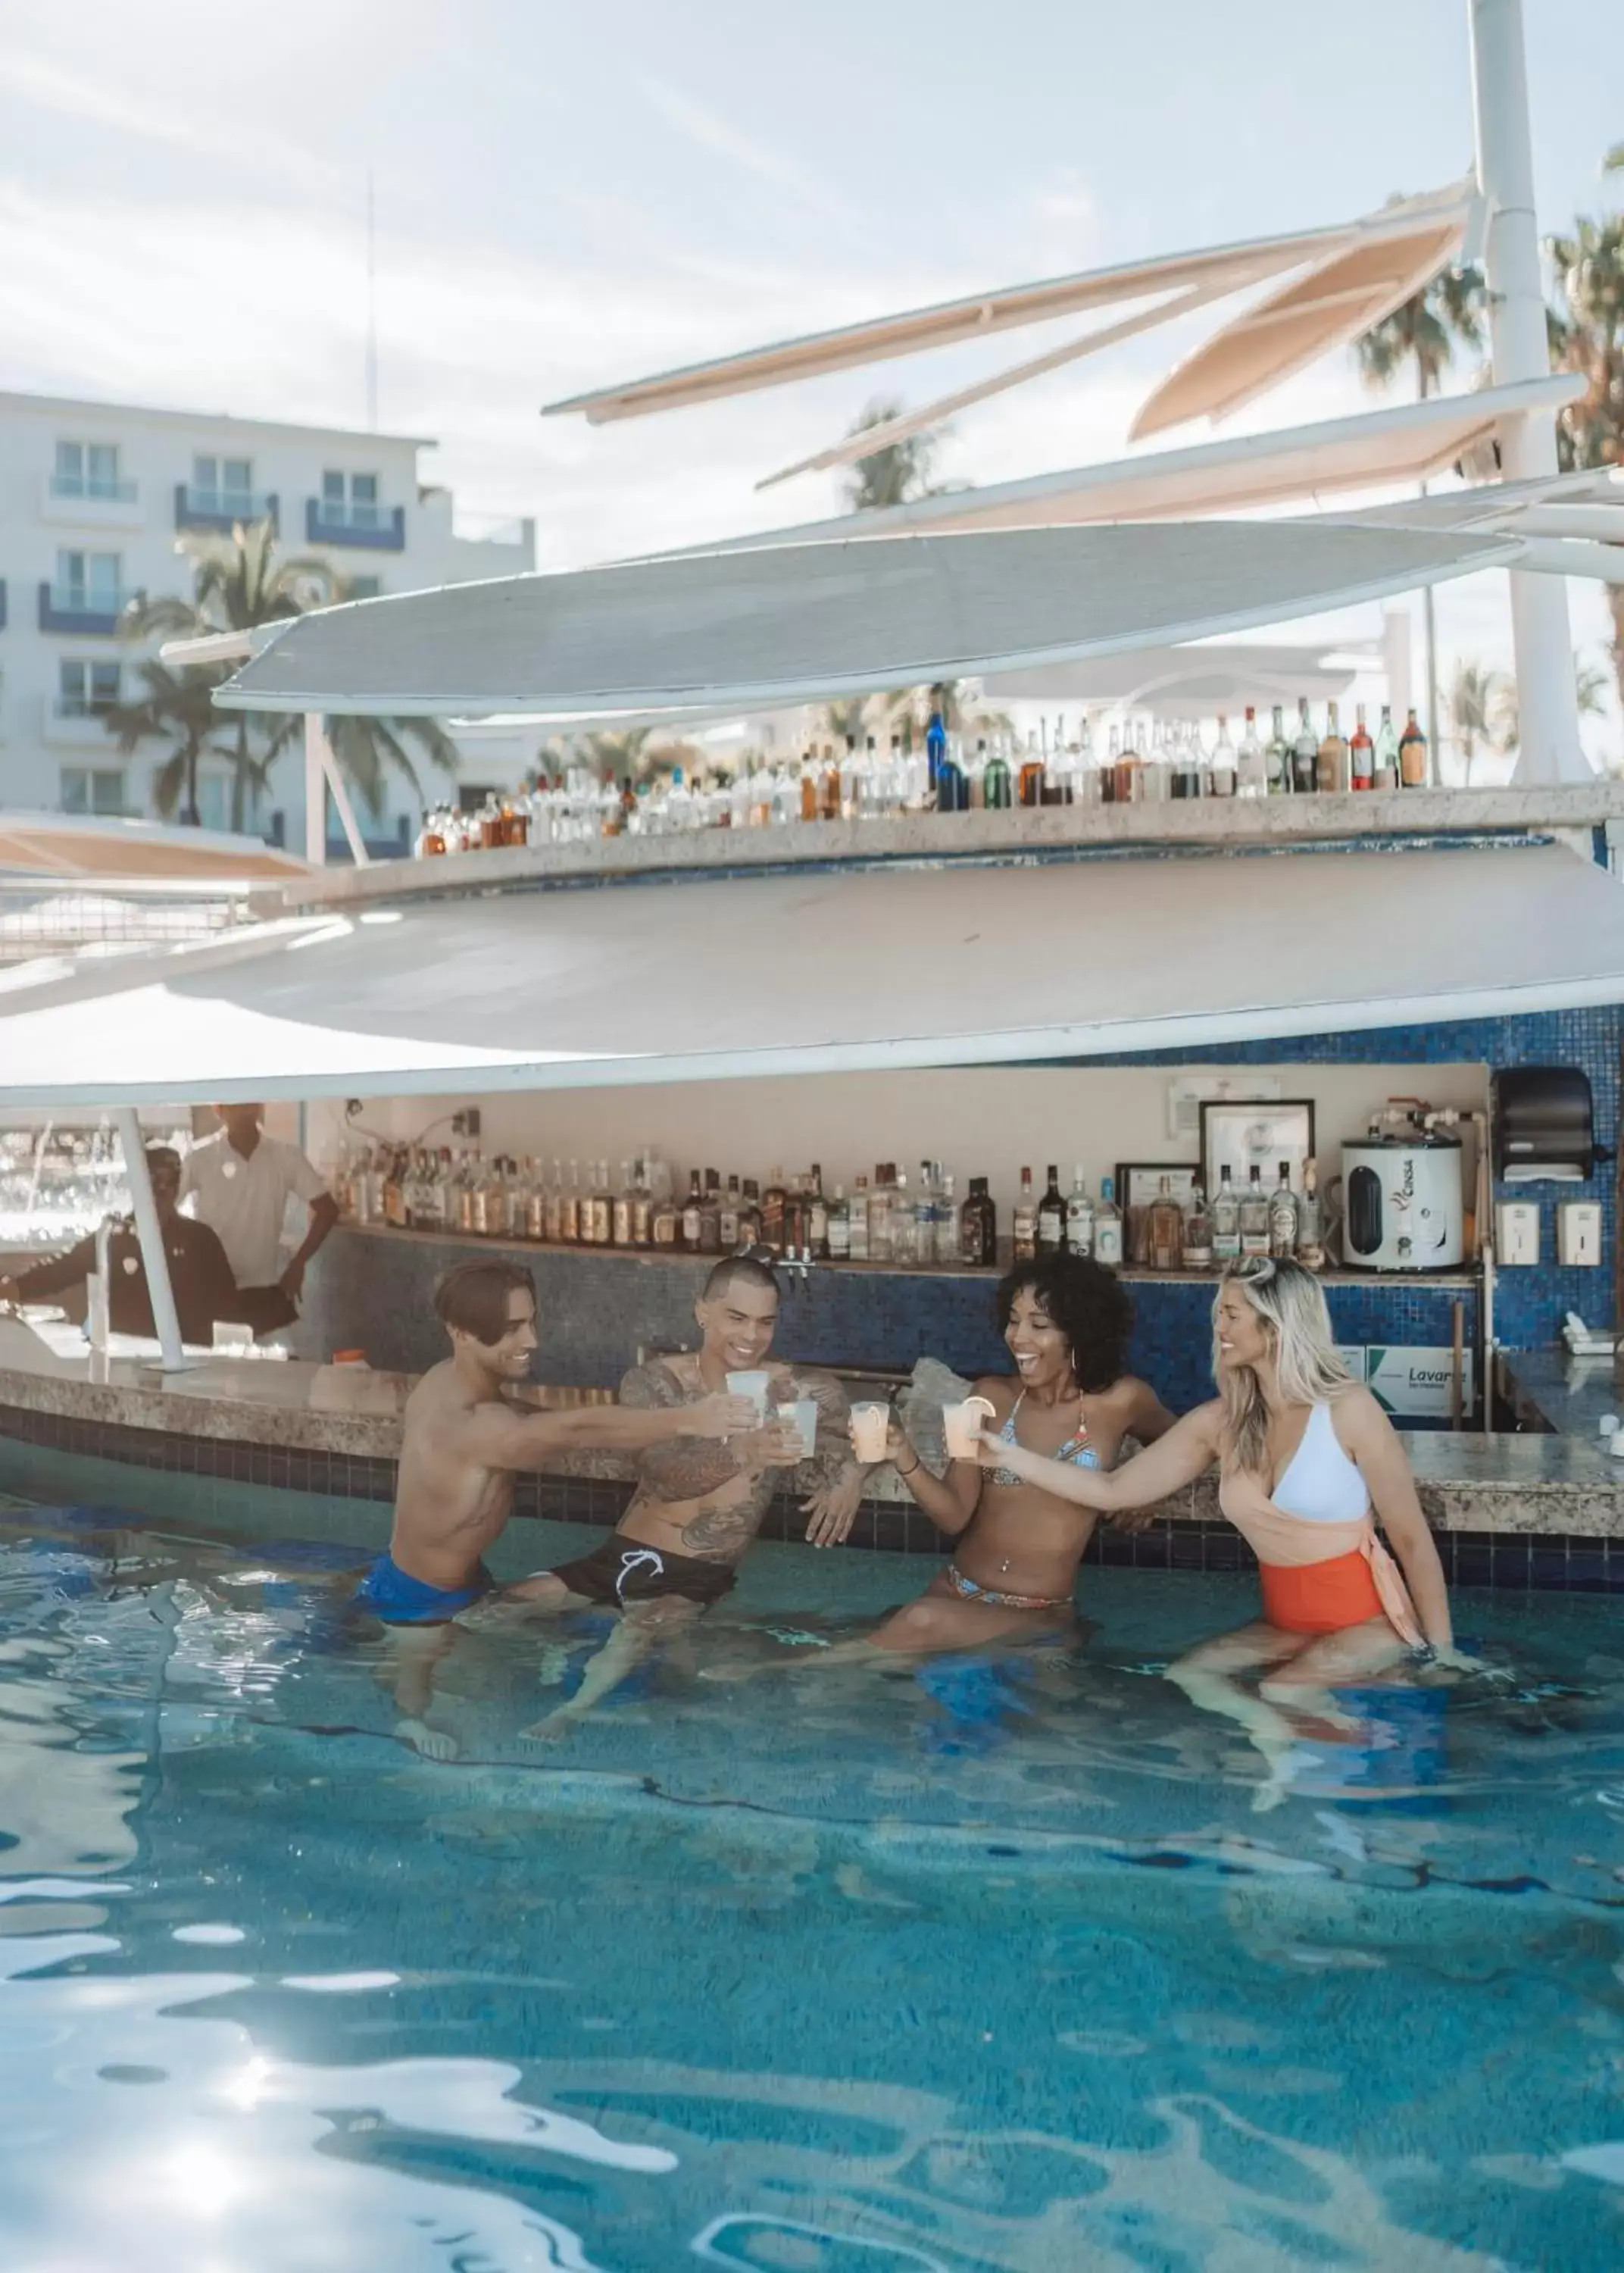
722, 1525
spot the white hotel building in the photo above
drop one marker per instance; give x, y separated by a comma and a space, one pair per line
93, 499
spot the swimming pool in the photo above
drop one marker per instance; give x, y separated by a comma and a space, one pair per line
981, 1965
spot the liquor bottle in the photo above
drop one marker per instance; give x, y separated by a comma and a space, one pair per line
947, 1219
879, 1213
1254, 1215
924, 1218
1305, 753
1282, 1217
1333, 758
1310, 1236
1165, 1226
569, 1211
829, 791
1108, 1226
691, 1211
950, 785
1224, 769
667, 1225
1277, 757
904, 1225
996, 786
750, 1215
1361, 754
837, 1228
975, 778
1025, 1225
620, 1214
856, 1233
1412, 768
817, 1216
1197, 1232
1385, 770
1029, 788
1051, 1216
1250, 768
772, 1213
710, 1215
539, 1203
1225, 1221
1079, 1216
1187, 765
796, 1211
979, 1228
642, 1204
1112, 767
603, 1210
936, 749
728, 1226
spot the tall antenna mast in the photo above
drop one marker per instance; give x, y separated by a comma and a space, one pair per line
371, 306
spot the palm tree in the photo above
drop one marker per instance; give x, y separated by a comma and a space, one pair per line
1477, 697
239, 583
896, 473
1587, 335
1422, 336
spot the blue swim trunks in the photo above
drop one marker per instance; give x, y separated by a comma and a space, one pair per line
400, 1600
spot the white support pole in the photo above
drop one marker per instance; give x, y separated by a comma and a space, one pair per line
315, 789
165, 1316
1549, 717
358, 852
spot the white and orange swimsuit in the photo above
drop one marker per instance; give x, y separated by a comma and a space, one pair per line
1322, 1566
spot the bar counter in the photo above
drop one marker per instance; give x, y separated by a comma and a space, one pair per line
336, 1430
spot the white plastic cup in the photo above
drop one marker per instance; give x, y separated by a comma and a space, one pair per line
963, 1425
803, 1416
753, 1385
870, 1425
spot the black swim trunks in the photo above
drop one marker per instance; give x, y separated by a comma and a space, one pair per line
625, 1571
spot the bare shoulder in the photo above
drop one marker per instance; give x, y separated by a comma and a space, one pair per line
816, 1381
1000, 1392
1360, 1418
659, 1382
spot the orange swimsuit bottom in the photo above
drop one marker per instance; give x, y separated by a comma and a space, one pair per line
1318, 1598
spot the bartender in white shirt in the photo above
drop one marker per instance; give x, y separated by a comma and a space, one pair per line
240, 1182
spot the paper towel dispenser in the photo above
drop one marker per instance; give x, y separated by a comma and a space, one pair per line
1543, 1126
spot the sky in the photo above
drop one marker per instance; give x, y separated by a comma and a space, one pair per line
568, 195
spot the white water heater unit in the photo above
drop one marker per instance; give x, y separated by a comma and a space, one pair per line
1402, 1203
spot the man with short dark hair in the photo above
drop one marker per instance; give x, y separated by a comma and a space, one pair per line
200, 1275
461, 1442
240, 1182
699, 1505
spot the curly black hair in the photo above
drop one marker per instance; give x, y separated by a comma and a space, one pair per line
1087, 1302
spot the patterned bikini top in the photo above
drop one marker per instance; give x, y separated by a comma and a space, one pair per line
1076, 1448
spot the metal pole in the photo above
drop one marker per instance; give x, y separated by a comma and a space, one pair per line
1550, 749
315, 791
165, 1316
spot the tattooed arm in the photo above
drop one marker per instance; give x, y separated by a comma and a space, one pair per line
691, 1468
835, 1477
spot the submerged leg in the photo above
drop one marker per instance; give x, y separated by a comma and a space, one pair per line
413, 1654
639, 1626
1305, 1682
1207, 1675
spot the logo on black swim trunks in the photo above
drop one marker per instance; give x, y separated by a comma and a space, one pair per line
634, 1559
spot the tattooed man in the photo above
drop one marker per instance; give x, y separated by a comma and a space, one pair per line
697, 1505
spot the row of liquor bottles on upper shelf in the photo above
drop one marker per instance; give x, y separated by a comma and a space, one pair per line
1138, 766
924, 1227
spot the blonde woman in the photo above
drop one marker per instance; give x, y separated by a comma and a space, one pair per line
1308, 1464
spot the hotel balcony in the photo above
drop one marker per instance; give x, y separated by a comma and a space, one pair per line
72, 723
370, 527
86, 614
224, 509
79, 501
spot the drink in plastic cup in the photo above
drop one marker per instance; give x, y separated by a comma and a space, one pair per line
963, 1424
753, 1385
804, 1415
870, 1424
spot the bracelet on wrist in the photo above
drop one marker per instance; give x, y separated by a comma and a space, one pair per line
906, 1472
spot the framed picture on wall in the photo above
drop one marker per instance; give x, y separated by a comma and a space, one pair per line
1259, 1134
1138, 1183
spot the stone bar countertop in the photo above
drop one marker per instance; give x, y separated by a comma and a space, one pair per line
1233, 823
1568, 1395
1521, 1484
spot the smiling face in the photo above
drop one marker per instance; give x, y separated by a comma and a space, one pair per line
1243, 1338
737, 1322
510, 1355
1042, 1353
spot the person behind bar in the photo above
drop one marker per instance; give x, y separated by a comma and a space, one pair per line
200, 1275
461, 1442
241, 1181
1303, 1453
1066, 1320
697, 1506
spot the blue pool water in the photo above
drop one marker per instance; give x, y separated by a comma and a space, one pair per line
983, 1965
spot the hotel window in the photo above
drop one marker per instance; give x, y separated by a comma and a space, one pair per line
93, 788
362, 587
91, 582
85, 689
89, 470
224, 485
351, 499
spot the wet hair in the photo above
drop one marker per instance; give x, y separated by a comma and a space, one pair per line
1291, 1308
753, 1268
1087, 1302
471, 1298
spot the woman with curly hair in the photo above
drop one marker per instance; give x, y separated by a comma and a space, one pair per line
1070, 1403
